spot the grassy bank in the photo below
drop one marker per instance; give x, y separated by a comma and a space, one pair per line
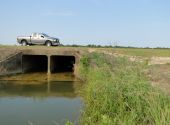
117, 92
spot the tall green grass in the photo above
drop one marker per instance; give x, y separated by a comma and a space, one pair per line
117, 93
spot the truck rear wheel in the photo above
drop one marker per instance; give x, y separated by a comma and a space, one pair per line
24, 43
48, 43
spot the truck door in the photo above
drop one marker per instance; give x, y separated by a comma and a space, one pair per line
41, 39
34, 38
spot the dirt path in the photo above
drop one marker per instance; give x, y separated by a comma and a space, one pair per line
159, 60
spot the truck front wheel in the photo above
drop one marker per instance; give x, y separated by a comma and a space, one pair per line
48, 43
24, 43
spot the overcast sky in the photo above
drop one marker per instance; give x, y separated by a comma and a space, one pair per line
141, 23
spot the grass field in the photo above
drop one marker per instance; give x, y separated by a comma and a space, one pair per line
117, 92
138, 51
143, 52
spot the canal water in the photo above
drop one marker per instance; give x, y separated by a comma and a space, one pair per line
38, 99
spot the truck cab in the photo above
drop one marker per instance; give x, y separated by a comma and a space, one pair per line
38, 38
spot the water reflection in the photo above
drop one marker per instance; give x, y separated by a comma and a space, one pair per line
39, 77
53, 89
43, 102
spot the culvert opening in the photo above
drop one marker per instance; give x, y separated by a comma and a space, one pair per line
62, 64
34, 63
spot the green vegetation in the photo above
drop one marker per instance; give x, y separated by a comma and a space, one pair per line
118, 93
132, 51
143, 52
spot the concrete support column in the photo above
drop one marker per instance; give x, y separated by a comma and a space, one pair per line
48, 73
49, 65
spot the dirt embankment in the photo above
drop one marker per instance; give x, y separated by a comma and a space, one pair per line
159, 76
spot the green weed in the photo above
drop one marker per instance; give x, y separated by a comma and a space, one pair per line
118, 93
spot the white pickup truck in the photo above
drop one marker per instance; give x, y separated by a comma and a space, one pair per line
38, 39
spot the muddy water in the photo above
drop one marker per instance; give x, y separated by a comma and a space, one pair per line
38, 99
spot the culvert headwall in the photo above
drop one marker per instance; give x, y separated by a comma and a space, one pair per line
11, 65
41, 61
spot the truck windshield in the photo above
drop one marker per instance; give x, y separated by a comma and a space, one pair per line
45, 35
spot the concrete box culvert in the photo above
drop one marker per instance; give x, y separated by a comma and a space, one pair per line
25, 63
49, 64
34, 63
62, 63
